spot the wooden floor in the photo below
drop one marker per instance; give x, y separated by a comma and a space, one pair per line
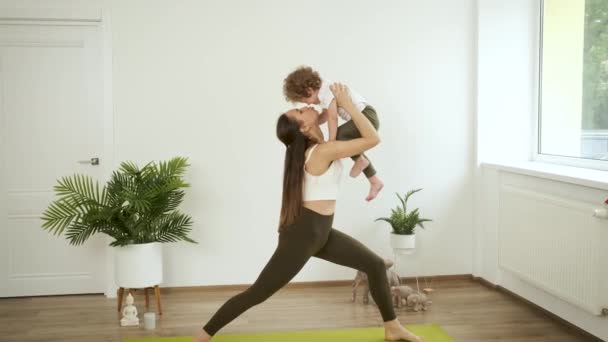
466, 309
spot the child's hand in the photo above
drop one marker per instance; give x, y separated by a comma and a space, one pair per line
341, 94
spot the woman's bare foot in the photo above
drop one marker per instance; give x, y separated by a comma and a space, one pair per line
202, 336
375, 185
394, 331
360, 164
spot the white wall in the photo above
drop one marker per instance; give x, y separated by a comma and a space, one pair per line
203, 79
506, 78
507, 38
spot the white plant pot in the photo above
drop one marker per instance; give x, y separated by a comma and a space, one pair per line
138, 266
403, 244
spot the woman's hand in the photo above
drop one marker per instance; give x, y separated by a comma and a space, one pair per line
341, 95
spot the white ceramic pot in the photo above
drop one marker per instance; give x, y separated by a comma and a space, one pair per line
403, 244
138, 266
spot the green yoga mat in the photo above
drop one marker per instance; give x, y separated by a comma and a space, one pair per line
432, 333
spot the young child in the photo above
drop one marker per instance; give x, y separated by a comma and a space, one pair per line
306, 86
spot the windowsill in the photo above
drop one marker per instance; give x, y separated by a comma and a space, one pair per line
569, 174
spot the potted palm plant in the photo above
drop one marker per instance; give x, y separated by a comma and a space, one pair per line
137, 208
403, 236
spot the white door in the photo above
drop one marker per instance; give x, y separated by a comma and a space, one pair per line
51, 117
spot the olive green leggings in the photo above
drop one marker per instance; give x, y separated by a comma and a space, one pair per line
311, 235
349, 131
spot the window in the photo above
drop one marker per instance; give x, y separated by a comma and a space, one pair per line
573, 96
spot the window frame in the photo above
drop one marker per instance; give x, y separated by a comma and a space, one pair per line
537, 111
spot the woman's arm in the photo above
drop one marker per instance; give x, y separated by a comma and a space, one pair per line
369, 137
332, 120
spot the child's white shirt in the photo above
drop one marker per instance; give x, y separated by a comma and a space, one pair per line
326, 96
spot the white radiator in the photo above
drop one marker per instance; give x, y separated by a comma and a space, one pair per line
554, 244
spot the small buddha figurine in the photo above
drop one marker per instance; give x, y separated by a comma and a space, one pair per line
129, 313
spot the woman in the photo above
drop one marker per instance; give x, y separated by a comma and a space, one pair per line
310, 186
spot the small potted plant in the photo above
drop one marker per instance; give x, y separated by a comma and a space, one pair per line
403, 236
138, 208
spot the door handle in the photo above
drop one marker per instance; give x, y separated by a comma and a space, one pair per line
92, 161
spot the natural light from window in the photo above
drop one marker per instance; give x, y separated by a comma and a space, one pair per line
573, 107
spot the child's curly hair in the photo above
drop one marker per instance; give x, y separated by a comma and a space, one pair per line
296, 84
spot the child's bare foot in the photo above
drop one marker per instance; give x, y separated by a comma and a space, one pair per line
360, 164
202, 336
375, 185
394, 331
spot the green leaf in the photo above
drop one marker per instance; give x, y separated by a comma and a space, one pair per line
400, 220
137, 205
